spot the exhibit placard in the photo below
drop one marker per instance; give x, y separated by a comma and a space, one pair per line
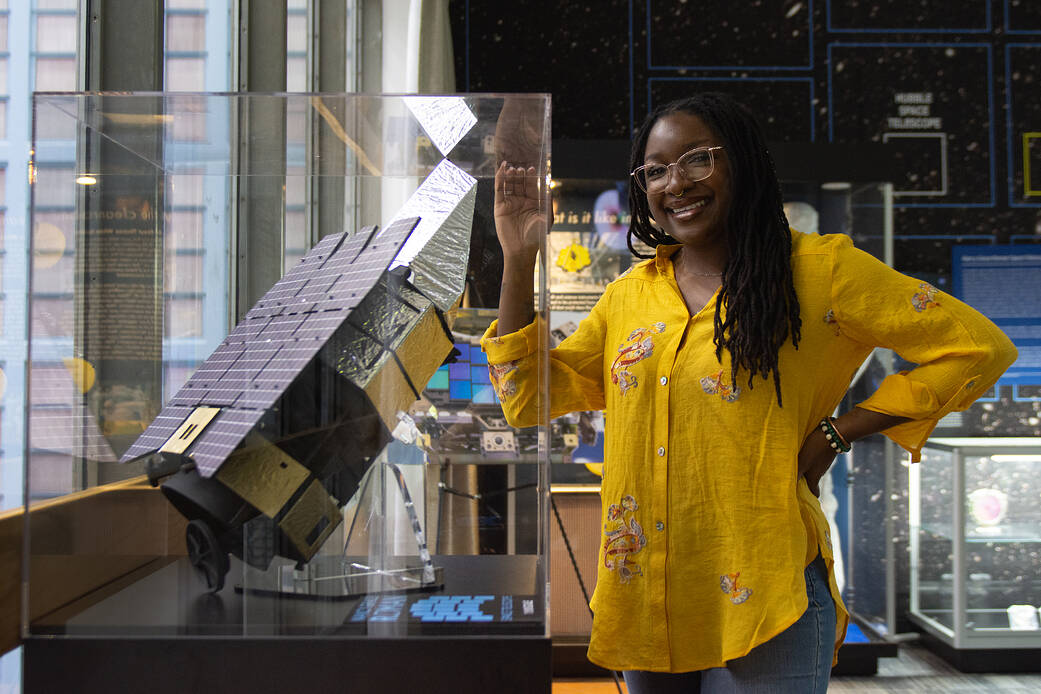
1004, 283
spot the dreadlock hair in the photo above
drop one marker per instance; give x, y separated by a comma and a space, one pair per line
758, 291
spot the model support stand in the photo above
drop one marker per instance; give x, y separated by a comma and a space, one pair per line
382, 515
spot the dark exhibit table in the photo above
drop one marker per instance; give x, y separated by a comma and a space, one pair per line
162, 632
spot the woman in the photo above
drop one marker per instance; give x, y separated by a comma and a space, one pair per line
718, 362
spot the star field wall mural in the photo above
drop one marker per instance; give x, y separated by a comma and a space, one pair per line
954, 89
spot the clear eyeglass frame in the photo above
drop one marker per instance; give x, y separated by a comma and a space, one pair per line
690, 169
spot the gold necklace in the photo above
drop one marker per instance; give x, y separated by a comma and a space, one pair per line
695, 273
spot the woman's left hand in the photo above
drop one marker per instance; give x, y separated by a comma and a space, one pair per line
815, 457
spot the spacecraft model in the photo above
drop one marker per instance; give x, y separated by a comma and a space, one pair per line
272, 434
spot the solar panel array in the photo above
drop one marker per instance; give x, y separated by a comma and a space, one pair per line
251, 369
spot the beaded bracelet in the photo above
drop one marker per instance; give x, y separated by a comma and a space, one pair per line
835, 439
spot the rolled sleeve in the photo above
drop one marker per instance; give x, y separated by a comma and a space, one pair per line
575, 369
516, 345
902, 396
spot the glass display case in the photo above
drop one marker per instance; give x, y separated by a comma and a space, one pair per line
871, 481
975, 522
859, 495
258, 412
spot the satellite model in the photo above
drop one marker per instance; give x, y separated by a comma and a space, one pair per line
279, 425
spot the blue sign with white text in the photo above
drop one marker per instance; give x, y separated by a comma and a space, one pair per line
1004, 284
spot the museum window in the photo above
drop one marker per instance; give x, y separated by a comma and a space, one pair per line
189, 291
175, 376
4, 66
296, 46
3, 220
52, 435
197, 45
53, 60
52, 317
53, 249
183, 315
185, 57
296, 222
55, 48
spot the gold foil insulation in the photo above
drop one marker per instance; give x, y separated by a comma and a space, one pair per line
311, 519
269, 479
264, 475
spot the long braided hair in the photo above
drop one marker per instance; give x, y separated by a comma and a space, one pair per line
758, 292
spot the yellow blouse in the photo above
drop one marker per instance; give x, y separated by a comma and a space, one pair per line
706, 527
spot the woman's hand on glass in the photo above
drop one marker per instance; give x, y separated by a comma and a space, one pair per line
520, 220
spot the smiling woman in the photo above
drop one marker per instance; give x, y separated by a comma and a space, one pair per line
762, 308
691, 197
716, 566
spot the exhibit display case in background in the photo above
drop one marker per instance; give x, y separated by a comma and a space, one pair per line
856, 498
975, 524
315, 465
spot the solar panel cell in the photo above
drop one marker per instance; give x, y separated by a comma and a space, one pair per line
159, 431
221, 437
295, 355
225, 394
281, 328
257, 397
247, 329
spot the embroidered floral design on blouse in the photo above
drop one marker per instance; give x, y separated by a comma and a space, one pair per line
714, 385
925, 298
830, 319
502, 379
623, 537
738, 594
637, 347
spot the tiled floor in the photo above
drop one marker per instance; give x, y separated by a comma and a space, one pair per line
915, 670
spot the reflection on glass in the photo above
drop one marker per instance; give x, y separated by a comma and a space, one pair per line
133, 280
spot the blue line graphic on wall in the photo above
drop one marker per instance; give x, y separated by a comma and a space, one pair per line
702, 66
986, 28
1011, 135
808, 81
988, 52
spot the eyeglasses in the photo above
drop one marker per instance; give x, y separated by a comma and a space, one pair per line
696, 165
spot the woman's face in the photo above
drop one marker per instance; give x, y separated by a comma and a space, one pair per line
692, 212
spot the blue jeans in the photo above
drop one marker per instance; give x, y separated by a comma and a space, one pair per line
796, 661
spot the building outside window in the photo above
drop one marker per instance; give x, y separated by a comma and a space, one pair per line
41, 44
